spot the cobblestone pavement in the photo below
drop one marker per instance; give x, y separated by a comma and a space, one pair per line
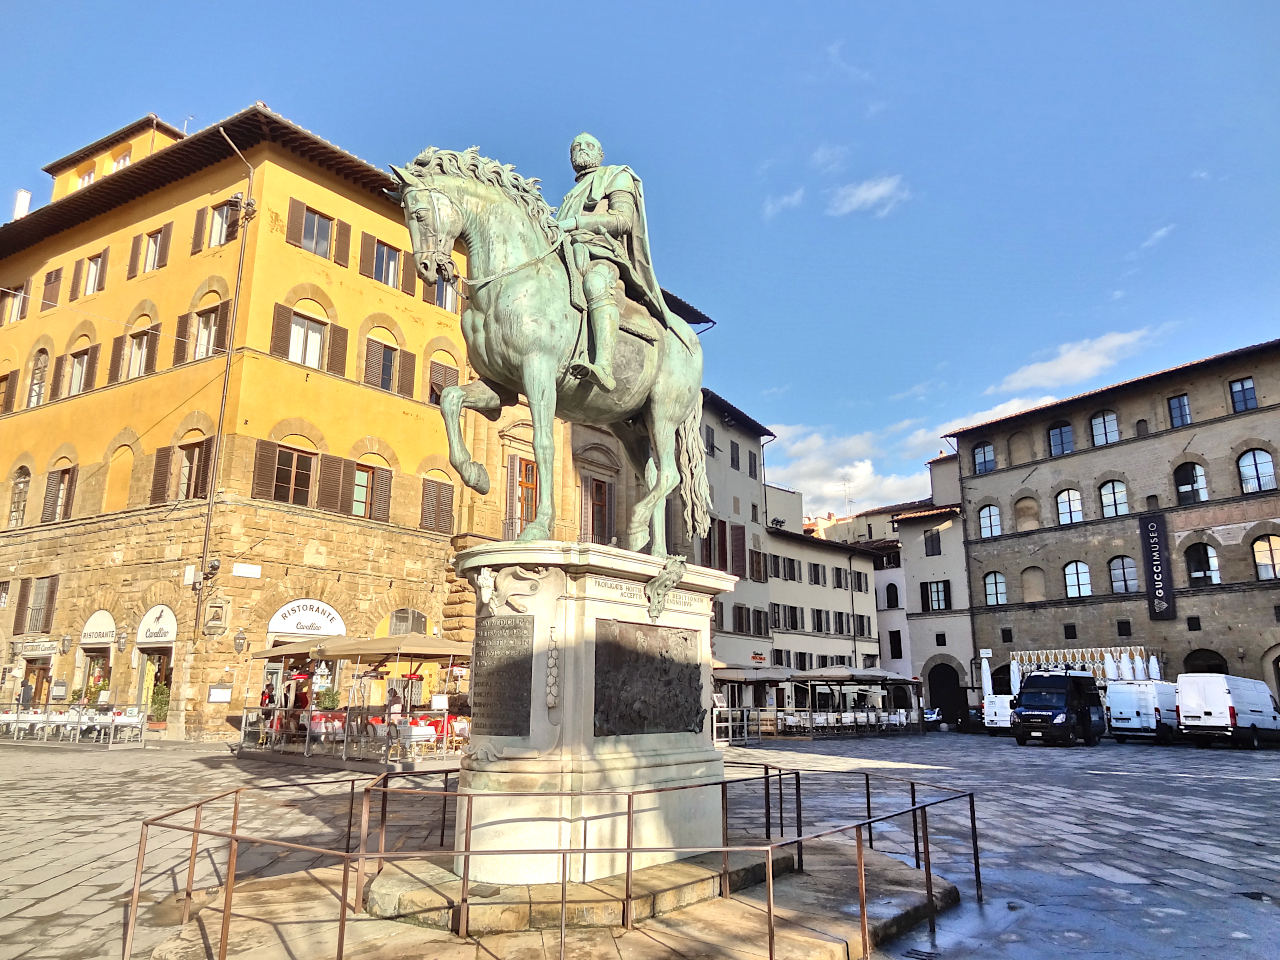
1129, 851
1120, 851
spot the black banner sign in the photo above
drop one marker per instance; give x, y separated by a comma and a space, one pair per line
1157, 559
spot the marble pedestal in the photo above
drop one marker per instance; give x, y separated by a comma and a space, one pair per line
577, 690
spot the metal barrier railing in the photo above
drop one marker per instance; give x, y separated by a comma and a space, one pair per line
107, 724
355, 733
363, 854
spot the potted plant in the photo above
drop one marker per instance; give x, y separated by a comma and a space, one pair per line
328, 700
158, 717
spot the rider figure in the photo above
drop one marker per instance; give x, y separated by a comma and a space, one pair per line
604, 217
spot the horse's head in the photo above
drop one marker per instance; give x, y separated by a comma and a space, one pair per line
434, 222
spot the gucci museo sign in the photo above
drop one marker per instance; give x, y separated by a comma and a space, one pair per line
311, 618
1155, 555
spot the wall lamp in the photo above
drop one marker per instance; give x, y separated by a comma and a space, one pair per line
65, 646
122, 637
240, 640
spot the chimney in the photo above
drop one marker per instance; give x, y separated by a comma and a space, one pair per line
21, 204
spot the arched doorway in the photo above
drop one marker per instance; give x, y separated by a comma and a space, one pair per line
945, 693
901, 698
1000, 680
1204, 661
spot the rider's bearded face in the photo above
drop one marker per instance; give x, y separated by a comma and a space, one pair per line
585, 154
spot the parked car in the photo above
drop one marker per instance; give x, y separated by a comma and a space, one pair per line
933, 718
997, 713
1059, 706
1142, 709
1216, 706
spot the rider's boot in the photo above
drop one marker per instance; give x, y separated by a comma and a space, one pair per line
605, 317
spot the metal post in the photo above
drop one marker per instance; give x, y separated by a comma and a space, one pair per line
768, 888
915, 824
364, 839
862, 895
225, 941
928, 871
382, 829
627, 908
799, 827
463, 906
342, 909
768, 807
782, 808
132, 922
973, 835
871, 838
724, 838
564, 895
191, 866
444, 806
351, 814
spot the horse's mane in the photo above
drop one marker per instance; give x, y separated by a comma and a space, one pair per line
524, 191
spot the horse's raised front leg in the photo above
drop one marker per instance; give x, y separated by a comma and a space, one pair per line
476, 395
540, 391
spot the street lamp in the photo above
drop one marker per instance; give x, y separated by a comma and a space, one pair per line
66, 644
239, 640
122, 637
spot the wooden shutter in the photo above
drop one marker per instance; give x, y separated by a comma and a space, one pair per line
610, 509
297, 219
738, 550
161, 474
329, 484
20, 608
264, 470
281, 319
204, 468
221, 322
50, 601
584, 515
91, 368
26, 299
511, 524
336, 361
408, 365
442, 375
366, 254
117, 359
153, 347
197, 235
162, 254
381, 494
233, 222
372, 363
705, 550
430, 504
55, 388
69, 500
135, 254
946, 594
408, 276
444, 508
102, 269
924, 596
342, 244
186, 323
347, 496
49, 511
10, 391
52, 287
77, 280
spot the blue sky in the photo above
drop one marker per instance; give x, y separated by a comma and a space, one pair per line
903, 217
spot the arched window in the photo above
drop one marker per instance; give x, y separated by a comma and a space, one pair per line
984, 458
406, 620
18, 497
1115, 499
1202, 565
1105, 428
1061, 439
989, 521
1076, 574
1026, 514
1266, 556
1070, 509
1032, 584
39, 371
1189, 479
1257, 471
1124, 575
995, 586
891, 597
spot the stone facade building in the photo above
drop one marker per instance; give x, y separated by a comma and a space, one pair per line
1142, 514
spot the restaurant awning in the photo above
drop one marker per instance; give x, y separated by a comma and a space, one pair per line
749, 674
874, 676
408, 645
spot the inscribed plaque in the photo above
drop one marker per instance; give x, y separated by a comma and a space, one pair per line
648, 680
502, 676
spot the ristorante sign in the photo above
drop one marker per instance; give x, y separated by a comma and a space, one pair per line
311, 618
1156, 560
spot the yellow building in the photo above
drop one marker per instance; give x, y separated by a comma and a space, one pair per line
219, 377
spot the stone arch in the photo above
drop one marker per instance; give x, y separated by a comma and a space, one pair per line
65, 451
1204, 660
443, 345
24, 459
1026, 513
1271, 658
99, 598
298, 425
142, 309
375, 445
944, 678
195, 420
311, 291
1248, 571
437, 462
1240, 449
127, 437
1021, 450
120, 465
386, 321
294, 587
426, 598
1188, 456
1032, 584
211, 284
1088, 509
85, 328
597, 456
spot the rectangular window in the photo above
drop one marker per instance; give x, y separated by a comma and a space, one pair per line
442, 375
79, 366
940, 639
205, 333
86, 178
1243, 396
869, 661
840, 625
151, 256
816, 614
317, 229
446, 296
1124, 628
709, 434
193, 470
306, 337
1006, 634
1193, 624
935, 595
753, 465
802, 660
741, 618
121, 162
598, 510
293, 477
782, 658
1179, 410
895, 644
39, 612
1069, 631
362, 493
526, 492
756, 564
755, 513
379, 365
139, 348
837, 578
220, 224
760, 623
92, 275
11, 301
815, 573
932, 543
717, 615
775, 566
386, 264
734, 455
792, 618
775, 615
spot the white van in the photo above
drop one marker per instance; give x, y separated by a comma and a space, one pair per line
1214, 706
1142, 708
997, 711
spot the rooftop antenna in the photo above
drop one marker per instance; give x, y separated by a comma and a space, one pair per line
190, 117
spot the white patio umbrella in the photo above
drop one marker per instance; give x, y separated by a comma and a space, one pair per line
986, 678
1126, 666
1140, 669
1153, 667
1015, 677
1109, 668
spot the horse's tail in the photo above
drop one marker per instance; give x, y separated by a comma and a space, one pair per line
694, 489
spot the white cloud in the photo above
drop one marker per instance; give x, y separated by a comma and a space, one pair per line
836, 59
1200, 175
775, 391
1074, 362
1117, 294
874, 108
828, 159
916, 391
1157, 236
775, 205
927, 441
879, 194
